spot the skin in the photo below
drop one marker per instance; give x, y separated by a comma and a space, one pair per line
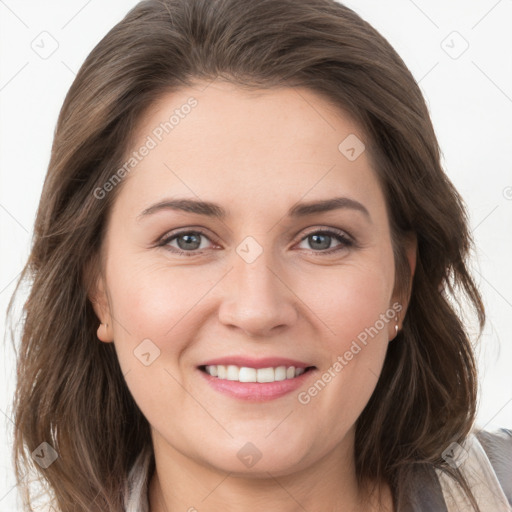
257, 155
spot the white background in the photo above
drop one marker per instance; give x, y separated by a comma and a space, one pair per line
470, 99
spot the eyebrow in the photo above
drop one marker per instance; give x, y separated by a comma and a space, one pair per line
214, 210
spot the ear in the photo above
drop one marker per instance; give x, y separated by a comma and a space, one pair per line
411, 248
95, 285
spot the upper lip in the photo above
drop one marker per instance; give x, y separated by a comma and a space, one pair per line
249, 362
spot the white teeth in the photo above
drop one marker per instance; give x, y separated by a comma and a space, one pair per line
232, 372
280, 373
265, 375
245, 374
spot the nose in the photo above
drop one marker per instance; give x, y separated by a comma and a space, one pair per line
257, 299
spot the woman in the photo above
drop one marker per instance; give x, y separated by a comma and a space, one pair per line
186, 344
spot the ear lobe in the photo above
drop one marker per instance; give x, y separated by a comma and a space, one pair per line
96, 292
100, 304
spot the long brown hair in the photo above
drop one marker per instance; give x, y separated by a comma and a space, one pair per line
70, 389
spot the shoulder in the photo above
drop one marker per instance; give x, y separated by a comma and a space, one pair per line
485, 460
497, 445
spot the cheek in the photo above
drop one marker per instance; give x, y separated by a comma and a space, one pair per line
158, 310
354, 307
152, 330
350, 299
153, 298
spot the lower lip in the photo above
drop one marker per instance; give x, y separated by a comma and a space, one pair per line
256, 391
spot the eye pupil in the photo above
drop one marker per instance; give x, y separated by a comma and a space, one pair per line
189, 238
321, 245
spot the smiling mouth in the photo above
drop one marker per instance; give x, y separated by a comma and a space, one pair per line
259, 375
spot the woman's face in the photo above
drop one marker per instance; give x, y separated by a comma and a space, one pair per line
272, 282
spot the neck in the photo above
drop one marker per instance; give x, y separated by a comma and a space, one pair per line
180, 483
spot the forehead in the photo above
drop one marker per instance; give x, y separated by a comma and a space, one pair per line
221, 142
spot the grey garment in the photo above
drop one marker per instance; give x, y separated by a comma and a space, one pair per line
423, 491
498, 447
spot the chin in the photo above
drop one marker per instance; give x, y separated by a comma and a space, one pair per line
258, 460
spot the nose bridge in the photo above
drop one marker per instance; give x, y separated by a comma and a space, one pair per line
257, 300
253, 272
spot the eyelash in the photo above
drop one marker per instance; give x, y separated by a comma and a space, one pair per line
339, 235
